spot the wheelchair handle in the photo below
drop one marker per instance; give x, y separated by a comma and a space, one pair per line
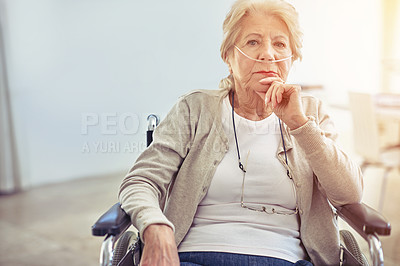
153, 121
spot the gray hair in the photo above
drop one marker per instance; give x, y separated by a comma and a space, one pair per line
241, 8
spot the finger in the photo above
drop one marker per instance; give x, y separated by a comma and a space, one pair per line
272, 91
290, 91
270, 80
275, 87
272, 99
268, 95
279, 94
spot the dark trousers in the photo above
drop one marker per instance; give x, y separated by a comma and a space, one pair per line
229, 259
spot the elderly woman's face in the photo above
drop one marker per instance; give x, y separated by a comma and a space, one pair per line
262, 37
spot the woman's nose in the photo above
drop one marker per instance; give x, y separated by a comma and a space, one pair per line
266, 52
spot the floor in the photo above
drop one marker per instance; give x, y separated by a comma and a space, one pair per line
51, 225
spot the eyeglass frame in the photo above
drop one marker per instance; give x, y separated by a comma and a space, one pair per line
263, 208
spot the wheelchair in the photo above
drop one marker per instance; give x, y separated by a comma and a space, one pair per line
123, 248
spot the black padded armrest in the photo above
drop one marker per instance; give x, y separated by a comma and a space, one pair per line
113, 222
364, 219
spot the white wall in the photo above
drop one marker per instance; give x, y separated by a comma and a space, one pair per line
69, 60
342, 46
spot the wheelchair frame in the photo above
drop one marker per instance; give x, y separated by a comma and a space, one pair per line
366, 221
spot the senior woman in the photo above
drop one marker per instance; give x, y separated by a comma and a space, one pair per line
248, 174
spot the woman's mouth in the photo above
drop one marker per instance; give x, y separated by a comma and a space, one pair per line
268, 73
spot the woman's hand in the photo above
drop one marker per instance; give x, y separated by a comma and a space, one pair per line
160, 248
285, 101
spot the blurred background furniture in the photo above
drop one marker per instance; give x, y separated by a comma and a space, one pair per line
367, 139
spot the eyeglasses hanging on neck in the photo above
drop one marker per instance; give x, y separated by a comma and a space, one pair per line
243, 168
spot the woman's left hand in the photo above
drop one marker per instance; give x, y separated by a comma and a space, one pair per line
285, 101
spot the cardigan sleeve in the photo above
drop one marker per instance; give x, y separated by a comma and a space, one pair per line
339, 178
144, 190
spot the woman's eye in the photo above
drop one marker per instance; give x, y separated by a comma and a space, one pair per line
280, 44
252, 42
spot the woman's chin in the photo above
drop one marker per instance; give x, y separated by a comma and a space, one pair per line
261, 90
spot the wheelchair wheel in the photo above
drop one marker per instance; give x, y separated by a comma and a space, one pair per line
122, 245
352, 246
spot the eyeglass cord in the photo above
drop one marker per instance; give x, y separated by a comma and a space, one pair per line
237, 143
241, 167
284, 149
234, 131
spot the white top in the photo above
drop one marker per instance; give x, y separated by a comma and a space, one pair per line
221, 224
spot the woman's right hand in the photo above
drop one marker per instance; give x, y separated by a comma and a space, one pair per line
160, 248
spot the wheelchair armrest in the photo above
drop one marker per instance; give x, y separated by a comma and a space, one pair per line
113, 222
364, 219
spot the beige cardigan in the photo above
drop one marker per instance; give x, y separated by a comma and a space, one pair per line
171, 177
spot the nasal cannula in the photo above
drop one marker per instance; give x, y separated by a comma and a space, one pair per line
263, 61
